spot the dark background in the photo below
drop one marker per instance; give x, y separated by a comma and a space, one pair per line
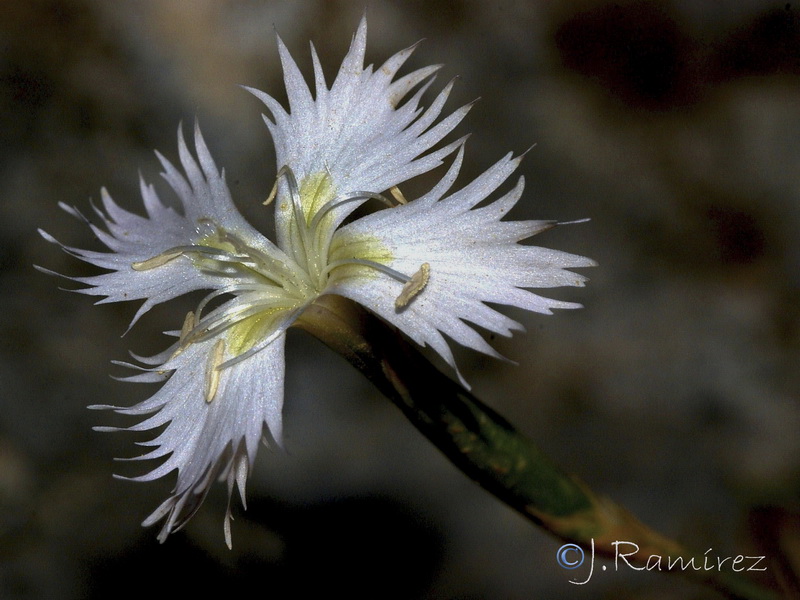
674, 126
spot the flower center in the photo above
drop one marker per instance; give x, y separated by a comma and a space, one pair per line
314, 221
268, 290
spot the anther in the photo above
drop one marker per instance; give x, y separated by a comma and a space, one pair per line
272, 194
212, 371
413, 286
189, 323
157, 261
398, 195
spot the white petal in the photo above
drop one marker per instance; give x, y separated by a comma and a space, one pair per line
204, 197
206, 440
354, 131
473, 256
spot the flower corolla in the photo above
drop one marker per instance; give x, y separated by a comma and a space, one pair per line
428, 266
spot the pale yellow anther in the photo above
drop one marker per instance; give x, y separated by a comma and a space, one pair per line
413, 286
398, 195
156, 261
189, 323
212, 371
272, 194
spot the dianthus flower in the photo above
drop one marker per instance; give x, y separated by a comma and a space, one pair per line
428, 266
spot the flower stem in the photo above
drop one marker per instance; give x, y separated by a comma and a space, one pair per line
489, 450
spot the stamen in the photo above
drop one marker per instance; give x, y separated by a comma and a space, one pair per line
157, 261
398, 195
297, 207
272, 194
227, 317
368, 263
413, 286
268, 267
337, 202
353, 196
189, 323
294, 192
173, 253
219, 255
233, 289
244, 260
212, 370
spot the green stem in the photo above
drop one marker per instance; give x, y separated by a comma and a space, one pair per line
489, 450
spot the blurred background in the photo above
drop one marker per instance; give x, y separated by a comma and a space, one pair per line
674, 126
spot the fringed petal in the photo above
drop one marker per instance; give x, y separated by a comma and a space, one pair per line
472, 258
209, 438
354, 132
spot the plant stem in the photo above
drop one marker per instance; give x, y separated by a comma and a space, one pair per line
489, 450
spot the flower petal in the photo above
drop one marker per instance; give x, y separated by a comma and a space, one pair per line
473, 258
209, 438
355, 132
203, 198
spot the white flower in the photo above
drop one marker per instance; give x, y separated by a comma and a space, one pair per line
428, 266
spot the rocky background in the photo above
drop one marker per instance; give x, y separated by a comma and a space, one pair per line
674, 126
